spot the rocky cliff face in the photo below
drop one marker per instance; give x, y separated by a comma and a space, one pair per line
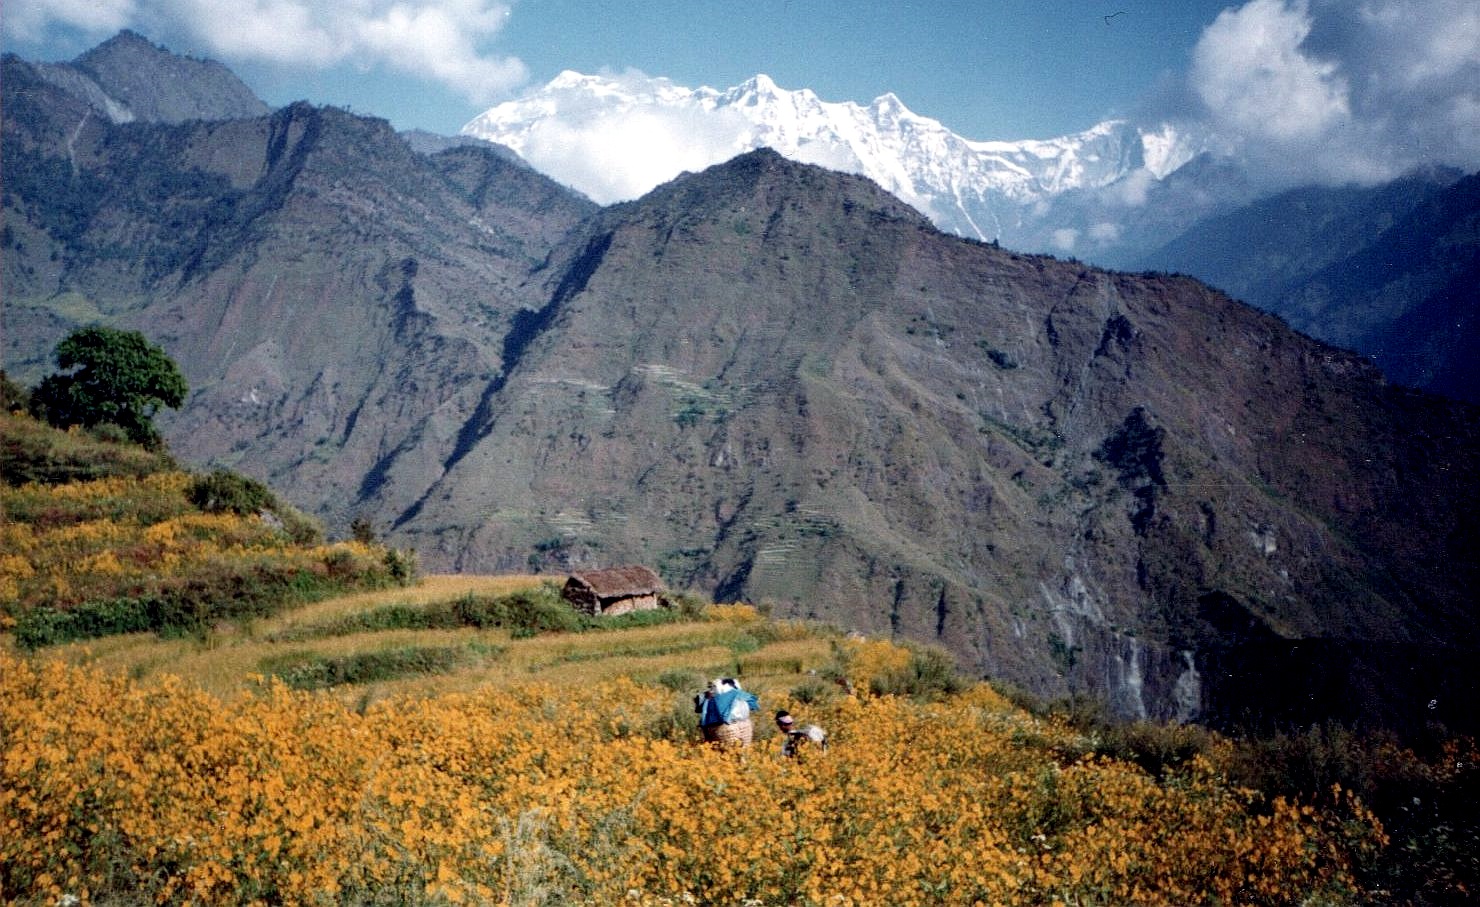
127, 78
779, 383
335, 299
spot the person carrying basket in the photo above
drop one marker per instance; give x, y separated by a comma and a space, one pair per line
724, 710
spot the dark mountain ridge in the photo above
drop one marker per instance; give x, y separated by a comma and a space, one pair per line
1390, 271
774, 382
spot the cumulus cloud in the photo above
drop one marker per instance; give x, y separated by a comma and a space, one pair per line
616, 136
29, 20
1250, 70
1132, 190
619, 155
1337, 91
440, 40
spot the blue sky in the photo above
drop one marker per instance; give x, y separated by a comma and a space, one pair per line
989, 70
1018, 69
1304, 90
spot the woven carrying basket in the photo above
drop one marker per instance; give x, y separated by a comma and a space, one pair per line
740, 733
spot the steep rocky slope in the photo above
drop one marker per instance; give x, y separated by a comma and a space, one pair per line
333, 297
780, 383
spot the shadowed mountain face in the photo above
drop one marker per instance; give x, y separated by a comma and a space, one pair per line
771, 382
1391, 271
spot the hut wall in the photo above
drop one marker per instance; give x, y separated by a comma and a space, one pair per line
613, 606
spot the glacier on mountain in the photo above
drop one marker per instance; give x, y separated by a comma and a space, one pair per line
616, 137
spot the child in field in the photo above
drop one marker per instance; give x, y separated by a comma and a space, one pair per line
796, 736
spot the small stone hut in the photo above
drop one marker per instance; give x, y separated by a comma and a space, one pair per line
614, 591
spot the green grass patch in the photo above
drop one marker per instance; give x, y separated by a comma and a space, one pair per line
629, 651
190, 605
312, 671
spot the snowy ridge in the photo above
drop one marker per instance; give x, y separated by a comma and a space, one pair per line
615, 138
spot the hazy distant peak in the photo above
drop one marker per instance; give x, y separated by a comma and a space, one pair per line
125, 41
128, 77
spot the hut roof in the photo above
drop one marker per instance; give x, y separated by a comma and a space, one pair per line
617, 582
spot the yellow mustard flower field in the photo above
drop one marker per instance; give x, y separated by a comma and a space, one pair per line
584, 793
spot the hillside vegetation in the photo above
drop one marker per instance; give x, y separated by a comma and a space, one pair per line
474, 740
101, 538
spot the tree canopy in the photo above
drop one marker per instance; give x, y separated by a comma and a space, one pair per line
116, 377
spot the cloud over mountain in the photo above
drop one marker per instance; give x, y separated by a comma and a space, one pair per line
1336, 91
436, 39
614, 152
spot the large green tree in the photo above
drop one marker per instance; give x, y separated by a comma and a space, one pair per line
110, 376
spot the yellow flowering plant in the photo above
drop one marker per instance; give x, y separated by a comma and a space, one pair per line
159, 791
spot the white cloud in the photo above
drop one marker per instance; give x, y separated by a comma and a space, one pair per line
1431, 44
1105, 233
1132, 189
438, 40
616, 155
1336, 90
29, 20
1064, 239
1250, 69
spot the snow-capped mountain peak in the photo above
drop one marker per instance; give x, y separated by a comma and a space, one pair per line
616, 136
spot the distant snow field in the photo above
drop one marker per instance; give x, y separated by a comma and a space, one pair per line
616, 137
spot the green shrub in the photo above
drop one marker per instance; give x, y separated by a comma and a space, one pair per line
1155, 747
1426, 802
300, 528
49, 627
401, 565
678, 724
1024, 699
13, 397
744, 644
362, 530
191, 605
688, 605
376, 620
110, 433
929, 674
814, 690
529, 610
680, 681
632, 619
224, 491
524, 614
